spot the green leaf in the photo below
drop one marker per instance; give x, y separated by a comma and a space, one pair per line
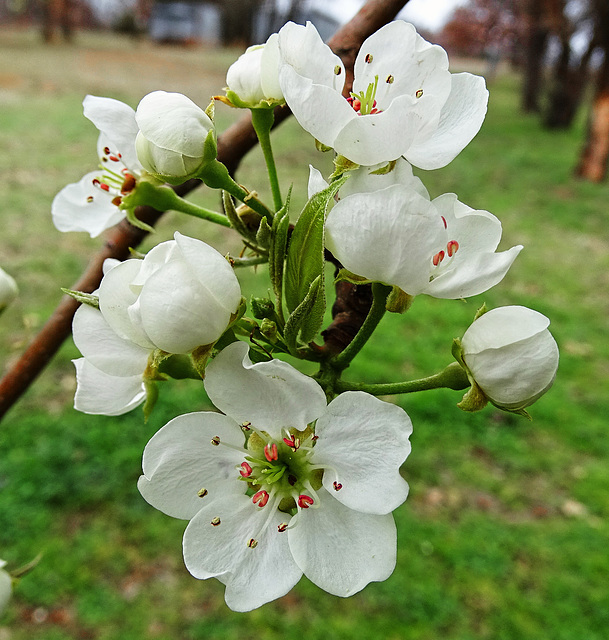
305, 260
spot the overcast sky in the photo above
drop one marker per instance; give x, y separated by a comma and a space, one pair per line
430, 14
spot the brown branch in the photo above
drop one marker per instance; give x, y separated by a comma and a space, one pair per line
233, 144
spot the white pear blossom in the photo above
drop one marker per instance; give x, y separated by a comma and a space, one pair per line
8, 289
404, 101
92, 204
253, 80
176, 137
310, 492
179, 297
511, 355
6, 587
397, 236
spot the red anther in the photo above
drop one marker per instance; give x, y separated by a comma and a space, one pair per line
438, 258
89, 198
119, 155
116, 201
337, 486
451, 248
246, 470
96, 182
107, 150
261, 498
293, 442
252, 544
282, 527
356, 104
444, 221
375, 111
270, 452
419, 93
128, 183
104, 186
368, 58
113, 158
305, 501
215, 441
314, 438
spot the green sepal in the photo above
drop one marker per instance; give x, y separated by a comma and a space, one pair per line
85, 298
268, 328
262, 307
474, 400
305, 260
305, 317
320, 146
342, 165
233, 100
136, 222
388, 168
349, 276
200, 357
178, 367
398, 301
481, 311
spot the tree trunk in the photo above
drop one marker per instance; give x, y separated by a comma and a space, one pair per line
595, 154
536, 36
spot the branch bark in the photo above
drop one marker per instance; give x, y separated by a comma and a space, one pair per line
233, 145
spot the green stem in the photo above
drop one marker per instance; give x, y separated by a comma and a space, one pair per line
215, 175
376, 313
262, 120
164, 198
452, 377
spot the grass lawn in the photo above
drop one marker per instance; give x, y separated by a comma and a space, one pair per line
504, 535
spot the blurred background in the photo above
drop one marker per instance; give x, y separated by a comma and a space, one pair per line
504, 534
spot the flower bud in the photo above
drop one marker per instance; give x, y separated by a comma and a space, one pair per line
253, 80
8, 289
6, 587
176, 137
511, 356
182, 295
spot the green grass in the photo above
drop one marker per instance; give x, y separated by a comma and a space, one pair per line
504, 534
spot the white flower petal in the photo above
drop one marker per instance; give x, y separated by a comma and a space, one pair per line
81, 206
253, 576
116, 296
269, 69
180, 460
103, 348
6, 588
461, 118
316, 182
365, 440
102, 394
271, 395
341, 550
174, 122
364, 180
116, 121
386, 236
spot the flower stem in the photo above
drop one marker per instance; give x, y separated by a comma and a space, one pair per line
452, 377
163, 198
215, 175
262, 121
376, 313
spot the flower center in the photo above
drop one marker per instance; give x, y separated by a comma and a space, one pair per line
115, 179
364, 102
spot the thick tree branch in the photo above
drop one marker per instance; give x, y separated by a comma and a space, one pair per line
233, 144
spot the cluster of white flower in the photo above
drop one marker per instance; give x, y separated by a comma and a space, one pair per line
293, 477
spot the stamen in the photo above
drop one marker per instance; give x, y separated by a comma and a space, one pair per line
202, 492
215, 522
246, 470
444, 221
128, 183
116, 201
270, 452
107, 150
90, 199
304, 501
261, 498
113, 158
390, 79
246, 426
216, 441
252, 544
451, 248
419, 93
337, 70
438, 258
337, 486
368, 58
293, 442
282, 527
104, 186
